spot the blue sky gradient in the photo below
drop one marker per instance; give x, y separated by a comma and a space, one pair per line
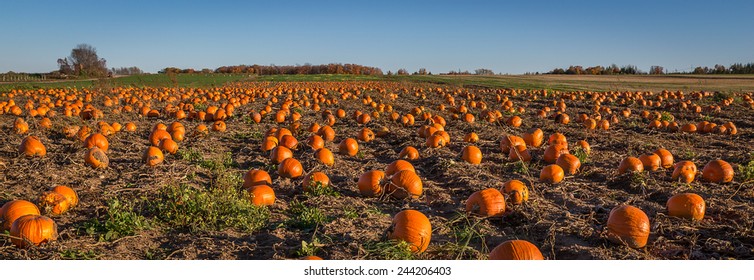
505, 36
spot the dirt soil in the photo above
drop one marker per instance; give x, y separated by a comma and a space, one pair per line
565, 220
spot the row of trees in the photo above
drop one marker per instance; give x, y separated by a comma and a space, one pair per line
737, 68
601, 70
332, 68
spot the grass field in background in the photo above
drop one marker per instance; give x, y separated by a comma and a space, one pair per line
726, 83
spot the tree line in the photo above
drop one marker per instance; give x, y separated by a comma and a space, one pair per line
736, 68
332, 68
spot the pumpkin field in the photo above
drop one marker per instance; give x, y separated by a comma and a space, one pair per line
341, 167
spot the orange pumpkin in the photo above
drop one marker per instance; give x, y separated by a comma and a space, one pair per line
31, 146
519, 152
370, 183
398, 165
289, 142
405, 183
510, 141
279, 154
534, 137
666, 158
718, 171
33, 230
290, 168
516, 250
315, 142
153, 156
15, 209
159, 135
554, 151
685, 171
348, 146
325, 156
486, 203
413, 227
630, 164
255, 177
552, 174
472, 154
96, 158
516, 191
261, 195
409, 153
628, 225
169, 146
687, 206
471, 137
651, 162
315, 180
570, 163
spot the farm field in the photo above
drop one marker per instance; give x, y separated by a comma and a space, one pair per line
200, 202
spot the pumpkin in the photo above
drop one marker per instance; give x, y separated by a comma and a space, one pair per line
519, 152
569, 163
269, 143
514, 121
130, 127
557, 138
486, 203
435, 141
554, 151
255, 177
534, 137
370, 183
628, 225
261, 195
516, 250
348, 146
718, 171
290, 168
153, 156
315, 142
552, 174
510, 141
280, 153
516, 191
409, 153
630, 164
288, 141
666, 158
325, 156
311, 258
366, 135
169, 146
31, 146
413, 227
96, 158
405, 183
20, 126
472, 154
398, 165
15, 209
33, 230
159, 135
687, 206
327, 133
219, 126
59, 200
98, 140
685, 171
471, 137
312, 181
651, 162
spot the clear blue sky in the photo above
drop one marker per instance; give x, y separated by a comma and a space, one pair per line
507, 37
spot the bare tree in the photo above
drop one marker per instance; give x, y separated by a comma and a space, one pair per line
84, 61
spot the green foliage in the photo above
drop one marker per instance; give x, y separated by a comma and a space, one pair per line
309, 248
200, 210
389, 250
745, 173
119, 221
317, 189
581, 154
305, 217
666, 116
73, 254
